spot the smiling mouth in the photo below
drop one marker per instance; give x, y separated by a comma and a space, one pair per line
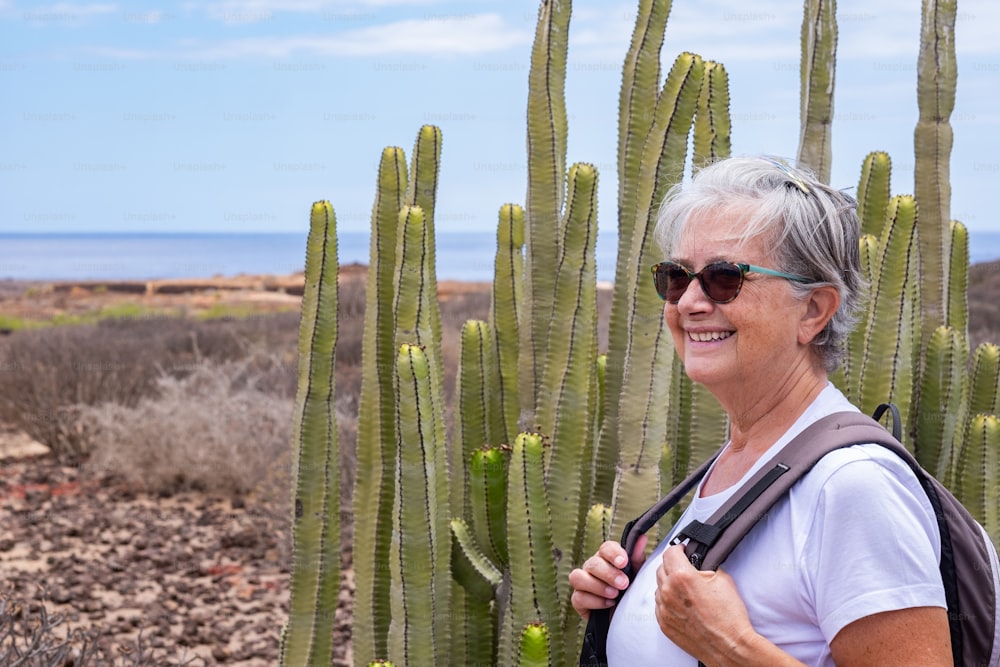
708, 336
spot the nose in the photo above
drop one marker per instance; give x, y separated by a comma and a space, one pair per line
694, 298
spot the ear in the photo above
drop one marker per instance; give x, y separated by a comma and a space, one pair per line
820, 307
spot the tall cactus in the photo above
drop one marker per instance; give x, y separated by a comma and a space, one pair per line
374, 493
505, 311
640, 83
401, 261
943, 393
420, 546
979, 472
638, 424
817, 71
316, 458
887, 367
937, 72
546, 172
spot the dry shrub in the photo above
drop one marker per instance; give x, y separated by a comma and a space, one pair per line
45, 374
31, 637
217, 430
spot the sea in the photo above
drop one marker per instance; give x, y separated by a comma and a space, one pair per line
466, 256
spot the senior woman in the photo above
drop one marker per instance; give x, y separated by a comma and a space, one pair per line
761, 285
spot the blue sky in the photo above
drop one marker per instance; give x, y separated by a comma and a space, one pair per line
235, 115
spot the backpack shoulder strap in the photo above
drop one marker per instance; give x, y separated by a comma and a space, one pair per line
641, 524
595, 636
709, 544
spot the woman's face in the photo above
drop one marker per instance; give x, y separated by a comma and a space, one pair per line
749, 346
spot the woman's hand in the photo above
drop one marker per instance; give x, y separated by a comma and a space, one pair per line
597, 583
701, 612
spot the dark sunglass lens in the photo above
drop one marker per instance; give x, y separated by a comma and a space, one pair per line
722, 281
676, 281
660, 279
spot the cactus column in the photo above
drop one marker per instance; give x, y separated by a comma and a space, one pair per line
316, 458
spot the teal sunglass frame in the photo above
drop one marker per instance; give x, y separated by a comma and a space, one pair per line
720, 281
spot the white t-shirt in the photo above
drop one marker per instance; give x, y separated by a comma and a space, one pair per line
855, 536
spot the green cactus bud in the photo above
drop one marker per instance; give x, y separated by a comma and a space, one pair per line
535, 646
534, 592
488, 500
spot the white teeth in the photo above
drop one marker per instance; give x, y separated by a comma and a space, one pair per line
707, 336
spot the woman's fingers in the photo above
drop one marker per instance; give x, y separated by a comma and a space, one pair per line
597, 583
639, 552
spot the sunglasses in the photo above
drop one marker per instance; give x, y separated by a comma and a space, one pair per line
721, 281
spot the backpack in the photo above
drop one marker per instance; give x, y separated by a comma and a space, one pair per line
969, 563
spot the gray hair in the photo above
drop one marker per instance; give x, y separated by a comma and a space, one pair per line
813, 228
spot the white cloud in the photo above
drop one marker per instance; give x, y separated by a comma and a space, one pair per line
445, 35
713, 29
458, 34
255, 11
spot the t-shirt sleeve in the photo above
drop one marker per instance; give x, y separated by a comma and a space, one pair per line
873, 544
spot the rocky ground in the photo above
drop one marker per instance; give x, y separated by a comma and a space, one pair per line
204, 580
